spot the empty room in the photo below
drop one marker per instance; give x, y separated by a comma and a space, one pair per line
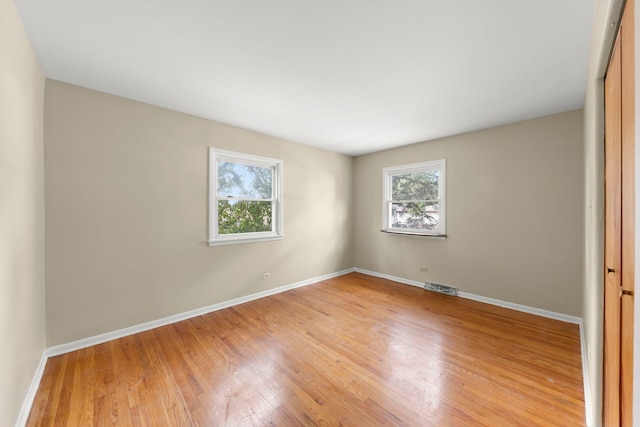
356, 213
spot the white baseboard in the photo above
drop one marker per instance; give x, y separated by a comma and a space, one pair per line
526, 309
506, 304
99, 339
23, 415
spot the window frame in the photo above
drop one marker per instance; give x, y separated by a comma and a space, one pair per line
389, 172
277, 232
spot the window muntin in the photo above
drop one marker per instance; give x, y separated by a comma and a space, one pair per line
245, 198
414, 198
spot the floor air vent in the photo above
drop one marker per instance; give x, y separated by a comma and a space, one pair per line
442, 289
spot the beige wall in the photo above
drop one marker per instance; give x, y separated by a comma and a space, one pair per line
126, 214
514, 214
592, 302
22, 310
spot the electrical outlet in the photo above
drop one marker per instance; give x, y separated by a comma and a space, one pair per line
424, 270
266, 275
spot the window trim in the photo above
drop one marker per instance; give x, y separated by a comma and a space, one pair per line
277, 232
388, 172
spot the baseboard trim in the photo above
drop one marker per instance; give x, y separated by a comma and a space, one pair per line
23, 415
102, 338
500, 303
526, 309
99, 339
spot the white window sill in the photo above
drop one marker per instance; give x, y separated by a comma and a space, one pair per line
416, 234
239, 240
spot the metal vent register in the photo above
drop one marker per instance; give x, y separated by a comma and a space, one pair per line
442, 289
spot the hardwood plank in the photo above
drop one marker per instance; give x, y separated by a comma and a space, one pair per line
354, 350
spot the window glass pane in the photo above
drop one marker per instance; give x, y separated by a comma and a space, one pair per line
417, 216
415, 186
243, 216
238, 180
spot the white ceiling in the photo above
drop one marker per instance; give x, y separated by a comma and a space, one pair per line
352, 76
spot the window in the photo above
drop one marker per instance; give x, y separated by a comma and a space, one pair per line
414, 199
245, 198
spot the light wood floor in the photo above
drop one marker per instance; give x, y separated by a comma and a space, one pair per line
354, 350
